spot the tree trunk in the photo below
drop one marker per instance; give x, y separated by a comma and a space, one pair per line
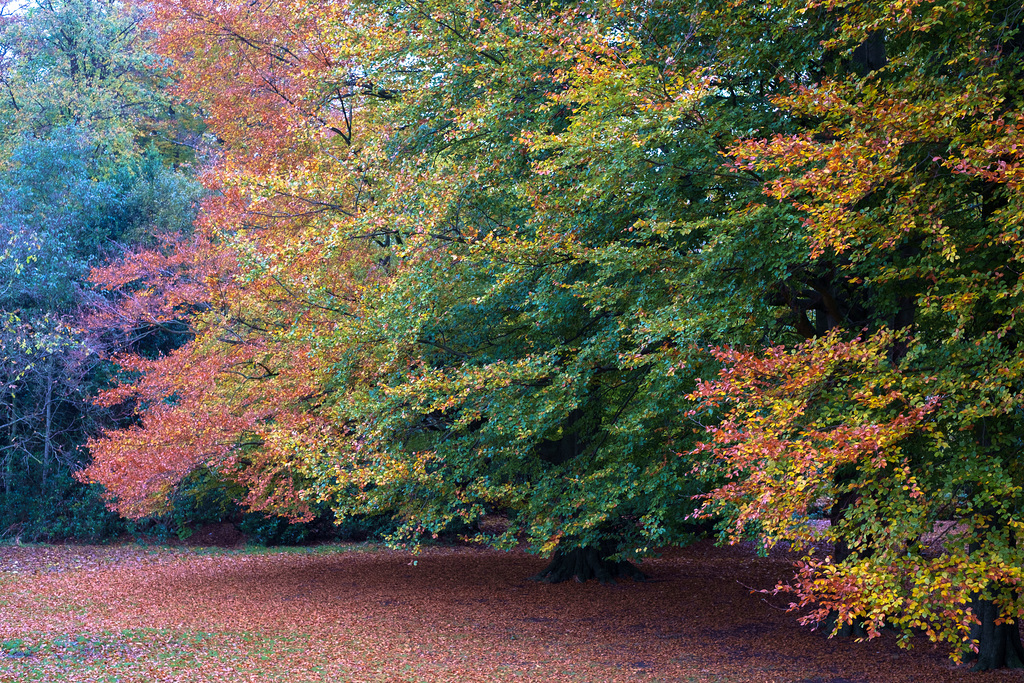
48, 425
583, 564
841, 553
852, 630
999, 645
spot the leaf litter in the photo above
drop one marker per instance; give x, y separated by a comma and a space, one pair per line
365, 613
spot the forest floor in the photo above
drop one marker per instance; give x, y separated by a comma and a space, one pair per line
362, 613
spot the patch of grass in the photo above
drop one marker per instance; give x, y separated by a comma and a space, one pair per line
151, 654
17, 648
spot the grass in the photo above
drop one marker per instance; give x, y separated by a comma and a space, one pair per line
150, 655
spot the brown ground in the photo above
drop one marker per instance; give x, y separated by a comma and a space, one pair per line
450, 614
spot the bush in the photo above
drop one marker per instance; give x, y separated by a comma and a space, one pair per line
65, 510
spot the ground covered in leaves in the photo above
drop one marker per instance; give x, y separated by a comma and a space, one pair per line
362, 613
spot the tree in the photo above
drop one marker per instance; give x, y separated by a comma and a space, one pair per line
465, 254
485, 257
85, 50
906, 412
243, 388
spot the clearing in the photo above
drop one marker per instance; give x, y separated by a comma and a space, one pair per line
364, 613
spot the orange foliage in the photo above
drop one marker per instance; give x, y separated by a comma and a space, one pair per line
241, 395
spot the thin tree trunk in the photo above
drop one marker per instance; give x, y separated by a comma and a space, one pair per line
841, 553
48, 424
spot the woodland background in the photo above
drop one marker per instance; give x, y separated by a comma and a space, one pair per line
593, 279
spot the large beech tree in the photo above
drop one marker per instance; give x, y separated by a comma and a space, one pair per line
461, 253
466, 258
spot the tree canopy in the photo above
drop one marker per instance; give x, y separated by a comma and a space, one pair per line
605, 268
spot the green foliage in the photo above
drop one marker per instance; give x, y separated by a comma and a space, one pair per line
65, 510
77, 63
66, 204
568, 243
